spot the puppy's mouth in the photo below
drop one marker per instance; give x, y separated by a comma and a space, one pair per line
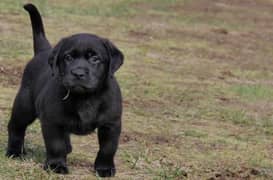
77, 88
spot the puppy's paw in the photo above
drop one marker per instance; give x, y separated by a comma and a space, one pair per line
56, 167
15, 153
105, 171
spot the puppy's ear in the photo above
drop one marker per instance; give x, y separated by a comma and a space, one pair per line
115, 56
53, 57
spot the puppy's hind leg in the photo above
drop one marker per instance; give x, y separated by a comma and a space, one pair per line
23, 114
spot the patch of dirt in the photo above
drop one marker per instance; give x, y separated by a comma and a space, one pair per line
200, 6
242, 173
81, 163
220, 30
4, 24
10, 75
226, 74
140, 35
258, 109
142, 103
214, 7
127, 137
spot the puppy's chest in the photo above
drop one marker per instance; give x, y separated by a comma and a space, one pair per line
86, 117
88, 111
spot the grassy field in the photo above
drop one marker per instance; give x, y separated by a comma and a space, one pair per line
197, 85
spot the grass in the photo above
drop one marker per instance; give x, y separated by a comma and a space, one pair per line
254, 92
197, 86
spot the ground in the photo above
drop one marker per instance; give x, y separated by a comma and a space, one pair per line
197, 86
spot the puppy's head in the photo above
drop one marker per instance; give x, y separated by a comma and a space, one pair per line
85, 62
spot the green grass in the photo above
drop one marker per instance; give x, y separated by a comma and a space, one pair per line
194, 133
254, 92
236, 117
196, 83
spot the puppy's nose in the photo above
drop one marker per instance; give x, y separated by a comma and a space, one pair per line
79, 73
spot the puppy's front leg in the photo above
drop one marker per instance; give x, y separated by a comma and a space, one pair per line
56, 148
108, 140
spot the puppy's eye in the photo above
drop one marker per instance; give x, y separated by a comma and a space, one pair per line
94, 60
68, 58
92, 57
90, 54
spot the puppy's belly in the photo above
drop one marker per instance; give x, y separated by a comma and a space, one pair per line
81, 128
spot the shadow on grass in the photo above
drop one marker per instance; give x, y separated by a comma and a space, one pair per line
35, 152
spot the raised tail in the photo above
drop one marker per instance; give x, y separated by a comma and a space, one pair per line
40, 42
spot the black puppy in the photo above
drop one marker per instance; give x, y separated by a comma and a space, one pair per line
71, 89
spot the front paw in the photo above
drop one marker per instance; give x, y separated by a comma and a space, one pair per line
104, 165
105, 171
15, 153
105, 168
56, 166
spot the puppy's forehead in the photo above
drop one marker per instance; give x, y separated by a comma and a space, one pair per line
83, 42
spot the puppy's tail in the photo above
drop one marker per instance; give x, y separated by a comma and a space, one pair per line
40, 41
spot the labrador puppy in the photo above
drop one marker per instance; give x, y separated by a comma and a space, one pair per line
71, 88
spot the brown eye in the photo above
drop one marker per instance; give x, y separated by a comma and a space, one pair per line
94, 60
68, 58
92, 57
90, 54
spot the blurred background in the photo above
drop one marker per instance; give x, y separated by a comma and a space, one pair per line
197, 86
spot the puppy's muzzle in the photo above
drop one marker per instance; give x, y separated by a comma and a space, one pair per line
79, 73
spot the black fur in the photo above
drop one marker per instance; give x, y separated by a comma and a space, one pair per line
40, 42
71, 89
